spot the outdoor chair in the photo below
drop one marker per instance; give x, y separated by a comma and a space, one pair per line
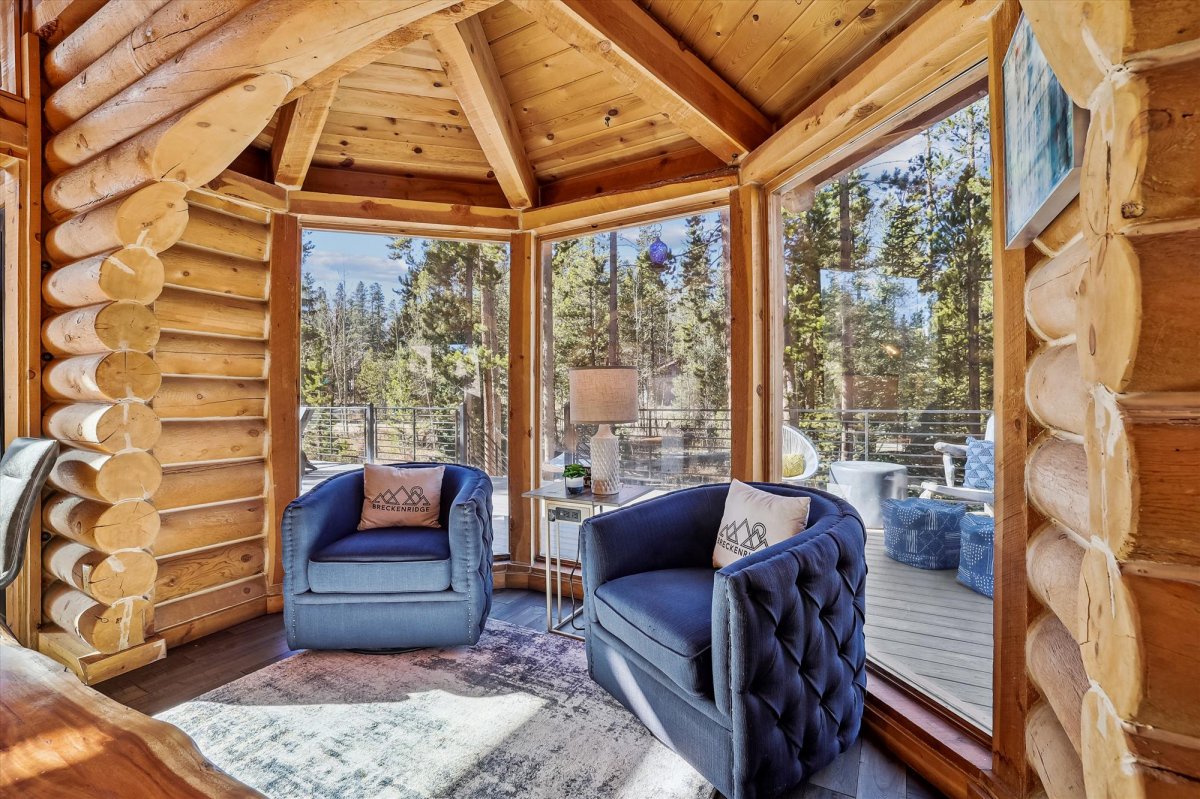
391, 587
23, 471
754, 673
982, 492
796, 444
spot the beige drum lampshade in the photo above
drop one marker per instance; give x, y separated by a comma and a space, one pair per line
604, 395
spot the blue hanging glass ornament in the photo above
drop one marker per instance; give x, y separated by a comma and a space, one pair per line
659, 252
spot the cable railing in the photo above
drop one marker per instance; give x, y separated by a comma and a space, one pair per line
667, 447
372, 434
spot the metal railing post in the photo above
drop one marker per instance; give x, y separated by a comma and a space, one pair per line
414, 434
866, 435
460, 437
372, 443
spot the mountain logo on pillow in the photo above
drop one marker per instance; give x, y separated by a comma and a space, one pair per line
402, 499
741, 538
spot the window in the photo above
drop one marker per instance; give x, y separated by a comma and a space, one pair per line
404, 355
654, 297
888, 350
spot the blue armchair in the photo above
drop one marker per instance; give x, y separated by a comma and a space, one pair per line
388, 588
753, 673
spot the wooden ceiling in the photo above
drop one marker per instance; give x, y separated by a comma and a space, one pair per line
524, 104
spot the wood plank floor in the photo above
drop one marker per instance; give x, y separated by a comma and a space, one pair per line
865, 771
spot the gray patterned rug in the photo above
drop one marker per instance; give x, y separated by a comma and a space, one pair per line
514, 716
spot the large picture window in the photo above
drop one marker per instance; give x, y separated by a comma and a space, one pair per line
887, 352
404, 355
654, 297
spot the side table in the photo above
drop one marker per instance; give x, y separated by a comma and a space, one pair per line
563, 508
867, 484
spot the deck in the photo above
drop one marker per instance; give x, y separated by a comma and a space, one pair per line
934, 633
922, 626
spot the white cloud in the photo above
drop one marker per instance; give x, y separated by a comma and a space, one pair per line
330, 268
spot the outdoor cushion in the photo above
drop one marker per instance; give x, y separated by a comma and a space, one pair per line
383, 561
922, 532
980, 471
666, 617
975, 563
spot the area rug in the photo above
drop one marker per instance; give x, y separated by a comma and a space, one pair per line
514, 716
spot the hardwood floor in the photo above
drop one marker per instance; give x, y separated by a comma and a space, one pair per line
864, 772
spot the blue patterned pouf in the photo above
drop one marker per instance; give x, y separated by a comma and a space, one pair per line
975, 565
922, 532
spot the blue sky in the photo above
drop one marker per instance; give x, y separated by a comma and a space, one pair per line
352, 257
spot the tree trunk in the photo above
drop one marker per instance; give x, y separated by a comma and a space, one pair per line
614, 334
549, 409
491, 400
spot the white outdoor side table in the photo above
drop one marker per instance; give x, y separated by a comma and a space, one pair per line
867, 483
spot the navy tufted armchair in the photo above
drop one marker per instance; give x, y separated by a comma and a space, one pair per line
754, 673
392, 587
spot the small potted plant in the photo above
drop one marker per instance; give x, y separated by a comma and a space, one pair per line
573, 475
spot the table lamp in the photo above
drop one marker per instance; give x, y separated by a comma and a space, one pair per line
604, 395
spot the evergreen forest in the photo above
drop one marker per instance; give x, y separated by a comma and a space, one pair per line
888, 304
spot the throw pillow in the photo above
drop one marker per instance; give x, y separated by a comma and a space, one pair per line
980, 471
793, 464
401, 496
755, 520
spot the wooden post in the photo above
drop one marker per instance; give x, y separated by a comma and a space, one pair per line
1010, 685
283, 392
748, 335
22, 275
524, 391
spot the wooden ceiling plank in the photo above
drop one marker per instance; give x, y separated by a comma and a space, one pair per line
399, 128
712, 23
467, 59
403, 37
859, 38
558, 70
526, 46
389, 78
296, 136
649, 62
589, 121
943, 44
635, 151
753, 36
816, 26
401, 106
400, 151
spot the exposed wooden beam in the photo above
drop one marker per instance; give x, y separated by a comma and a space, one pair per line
594, 213
332, 210
447, 17
644, 174
896, 84
467, 58
297, 133
333, 180
648, 61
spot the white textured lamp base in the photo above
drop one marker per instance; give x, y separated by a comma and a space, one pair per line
606, 462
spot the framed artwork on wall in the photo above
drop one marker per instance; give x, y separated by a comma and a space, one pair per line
1043, 140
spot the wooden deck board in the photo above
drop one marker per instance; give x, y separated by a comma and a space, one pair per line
931, 631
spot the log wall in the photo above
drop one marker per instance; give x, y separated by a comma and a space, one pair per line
211, 547
1113, 385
